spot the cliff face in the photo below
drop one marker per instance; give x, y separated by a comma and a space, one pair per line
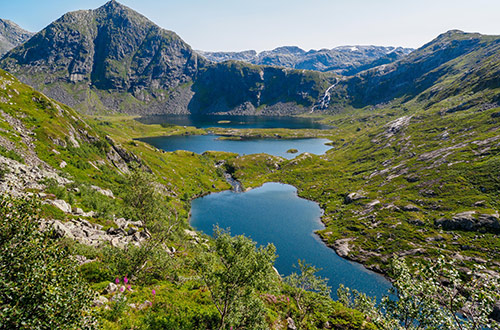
237, 87
113, 59
11, 35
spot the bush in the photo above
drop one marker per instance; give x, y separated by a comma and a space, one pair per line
40, 287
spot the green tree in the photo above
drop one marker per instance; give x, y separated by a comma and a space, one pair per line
308, 290
234, 270
431, 296
144, 203
40, 287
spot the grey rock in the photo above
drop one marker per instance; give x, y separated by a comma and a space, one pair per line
121, 222
112, 287
342, 247
100, 301
354, 196
471, 221
290, 324
11, 35
131, 231
410, 208
61, 204
105, 192
62, 230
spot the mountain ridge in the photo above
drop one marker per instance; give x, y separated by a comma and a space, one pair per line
345, 60
113, 59
11, 35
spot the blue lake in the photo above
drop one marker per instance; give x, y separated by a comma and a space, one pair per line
275, 214
202, 143
205, 121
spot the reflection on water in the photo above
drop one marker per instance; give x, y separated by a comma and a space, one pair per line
275, 214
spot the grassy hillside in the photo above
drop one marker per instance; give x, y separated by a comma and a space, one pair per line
410, 166
51, 153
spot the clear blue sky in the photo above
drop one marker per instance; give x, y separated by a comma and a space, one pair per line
266, 24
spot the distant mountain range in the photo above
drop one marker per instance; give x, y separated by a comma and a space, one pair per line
345, 60
113, 59
11, 35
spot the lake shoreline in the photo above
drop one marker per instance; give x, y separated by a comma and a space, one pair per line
313, 232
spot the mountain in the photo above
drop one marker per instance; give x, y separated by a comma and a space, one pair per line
454, 64
11, 35
344, 60
112, 59
89, 57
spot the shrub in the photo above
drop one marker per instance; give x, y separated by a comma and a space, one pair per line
40, 287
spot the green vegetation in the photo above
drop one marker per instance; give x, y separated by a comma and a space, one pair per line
431, 296
233, 272
40, 287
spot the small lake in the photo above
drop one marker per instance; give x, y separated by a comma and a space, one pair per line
275, 214
205, 121
201, 143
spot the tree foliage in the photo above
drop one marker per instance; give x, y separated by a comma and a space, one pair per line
144, 203
40, 287
233, 270
308, 290
431, 296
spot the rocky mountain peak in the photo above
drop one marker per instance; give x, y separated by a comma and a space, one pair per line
11, 35
110, 48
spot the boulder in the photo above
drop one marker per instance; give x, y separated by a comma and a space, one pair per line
62, 230
290, 324
410, 208
105, 192
61, 204
354, 196
121, 222
112, 287
471, 221
342, 247
100, 301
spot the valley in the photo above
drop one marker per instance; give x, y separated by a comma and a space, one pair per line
120, 146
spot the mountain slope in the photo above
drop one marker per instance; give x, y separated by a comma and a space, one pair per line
453, 63
110, 50
345, 60
11, 35
113, 59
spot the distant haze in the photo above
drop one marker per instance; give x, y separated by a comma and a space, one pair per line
234, 25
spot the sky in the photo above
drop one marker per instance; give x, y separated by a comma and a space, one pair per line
235, 25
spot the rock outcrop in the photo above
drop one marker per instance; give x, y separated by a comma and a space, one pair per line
86, 233
471, 221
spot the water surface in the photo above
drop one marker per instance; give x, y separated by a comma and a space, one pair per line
275, 214
202, 143
205, 121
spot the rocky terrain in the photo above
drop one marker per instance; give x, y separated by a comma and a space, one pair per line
11, 35
113, 59
454, 64
343, 60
